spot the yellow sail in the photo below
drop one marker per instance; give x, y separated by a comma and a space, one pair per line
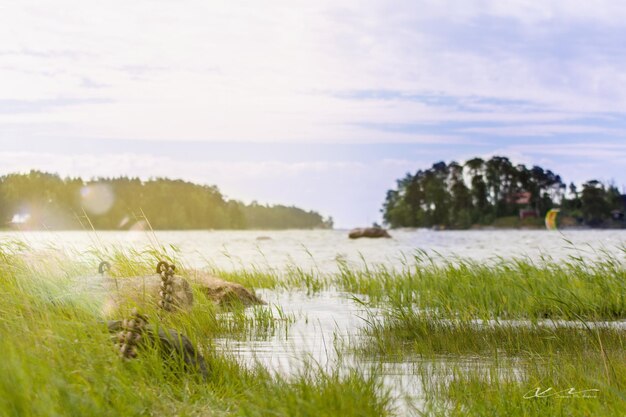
551, 219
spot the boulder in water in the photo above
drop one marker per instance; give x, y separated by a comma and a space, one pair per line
144, 290
223, 292
371, 232
171, 343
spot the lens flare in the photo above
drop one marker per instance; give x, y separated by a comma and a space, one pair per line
139, 226
123, 222
97, 199
20, 218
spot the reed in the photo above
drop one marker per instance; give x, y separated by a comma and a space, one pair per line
58, 357
481, 336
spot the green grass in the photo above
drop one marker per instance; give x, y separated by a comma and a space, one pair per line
469, 367
398, 332
430, 309
518, 288
58, 358
538, 386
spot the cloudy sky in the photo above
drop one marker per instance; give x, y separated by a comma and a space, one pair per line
322, 104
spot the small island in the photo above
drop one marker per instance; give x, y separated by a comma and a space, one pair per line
496, 193
39, 200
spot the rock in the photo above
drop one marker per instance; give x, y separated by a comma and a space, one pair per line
223, 292
144, 291
111, 294
171, 343
372, 232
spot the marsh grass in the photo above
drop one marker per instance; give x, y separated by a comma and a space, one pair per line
396, 332
518, 288
486, 336
58, 357
570, 289
483, 368
545, 385
292, 278
469, 368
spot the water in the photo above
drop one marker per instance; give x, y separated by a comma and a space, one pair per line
324, 322
327, 323
320, 249
324, 325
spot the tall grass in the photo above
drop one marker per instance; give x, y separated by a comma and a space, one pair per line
58, 358
503, 331
507, 289
548, 385
516, 288
398, 332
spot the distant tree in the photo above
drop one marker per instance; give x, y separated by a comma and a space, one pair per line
56, 203
479, 191
595, 207
460, 197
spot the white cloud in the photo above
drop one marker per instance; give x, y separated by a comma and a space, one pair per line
574, 161
534, 130
222, 70
610, 152
279, 72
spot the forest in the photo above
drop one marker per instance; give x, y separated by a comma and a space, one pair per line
488, 192
39, 200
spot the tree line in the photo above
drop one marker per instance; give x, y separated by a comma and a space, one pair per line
40, 200
481, 191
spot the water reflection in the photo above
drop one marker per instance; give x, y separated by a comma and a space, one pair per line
326, 325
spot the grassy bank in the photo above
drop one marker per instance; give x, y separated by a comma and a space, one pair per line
517, 364
483, 337
546, 385
505, 338
58, 357
504, 368
520, 288
397, 332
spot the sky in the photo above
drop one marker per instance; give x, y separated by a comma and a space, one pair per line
320, 104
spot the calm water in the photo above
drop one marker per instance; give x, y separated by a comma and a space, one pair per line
324, 325
321, 248
322, 319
